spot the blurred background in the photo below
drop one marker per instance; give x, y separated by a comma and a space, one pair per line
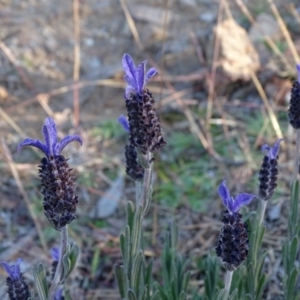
225, 72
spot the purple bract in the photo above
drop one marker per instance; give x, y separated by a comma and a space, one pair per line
136, 77
124, 122
13, 270
298, 73
272, 152
54, 252
51, 147
233, 205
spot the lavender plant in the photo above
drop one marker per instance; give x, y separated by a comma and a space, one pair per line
233, 240
134, 276
60, 201
290, 248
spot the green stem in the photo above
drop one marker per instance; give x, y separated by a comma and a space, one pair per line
297, 155
148, 165
228, 279
261, 211
59, 269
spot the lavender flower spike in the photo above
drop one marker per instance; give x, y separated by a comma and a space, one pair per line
294, 109
60, 200
17, 287
135, 76
234, 205
51, 147
144, 125
269, 171
233, 241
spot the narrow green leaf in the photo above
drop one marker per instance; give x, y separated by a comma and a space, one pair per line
40, 281
148, 201
131, 295
136, 231
291, 284
70, 260
122, 280
137, 273
95, 261
130, 215
294, 250
260, 286
293, 218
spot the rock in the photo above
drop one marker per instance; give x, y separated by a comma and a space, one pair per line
265, 25
208, 16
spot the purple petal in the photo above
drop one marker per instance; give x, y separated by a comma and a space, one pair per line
33, 143
224, 194
241, 200
131, 82
65, 141
13, 270
124, 122
140, 77
58, 294
152, 72
128, 91
54, 252
272, 152
298, 72
129, 67
50, 135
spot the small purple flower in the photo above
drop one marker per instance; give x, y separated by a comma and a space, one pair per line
17, 287
272, 152
233, 205
54, 252
13, 271
124, 122
136, 77
58, 295
51, 147
298, 72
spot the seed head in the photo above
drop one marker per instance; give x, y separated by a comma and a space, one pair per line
268, 171
17, 287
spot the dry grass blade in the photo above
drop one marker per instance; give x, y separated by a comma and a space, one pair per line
284, 31
15, 62
269, 108
294, 12
76, 67
16, 176
131, 24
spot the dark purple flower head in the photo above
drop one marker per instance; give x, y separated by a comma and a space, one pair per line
233, 205
51, 147
272, 152
54, 252
13, 271
136, 77
124, 122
